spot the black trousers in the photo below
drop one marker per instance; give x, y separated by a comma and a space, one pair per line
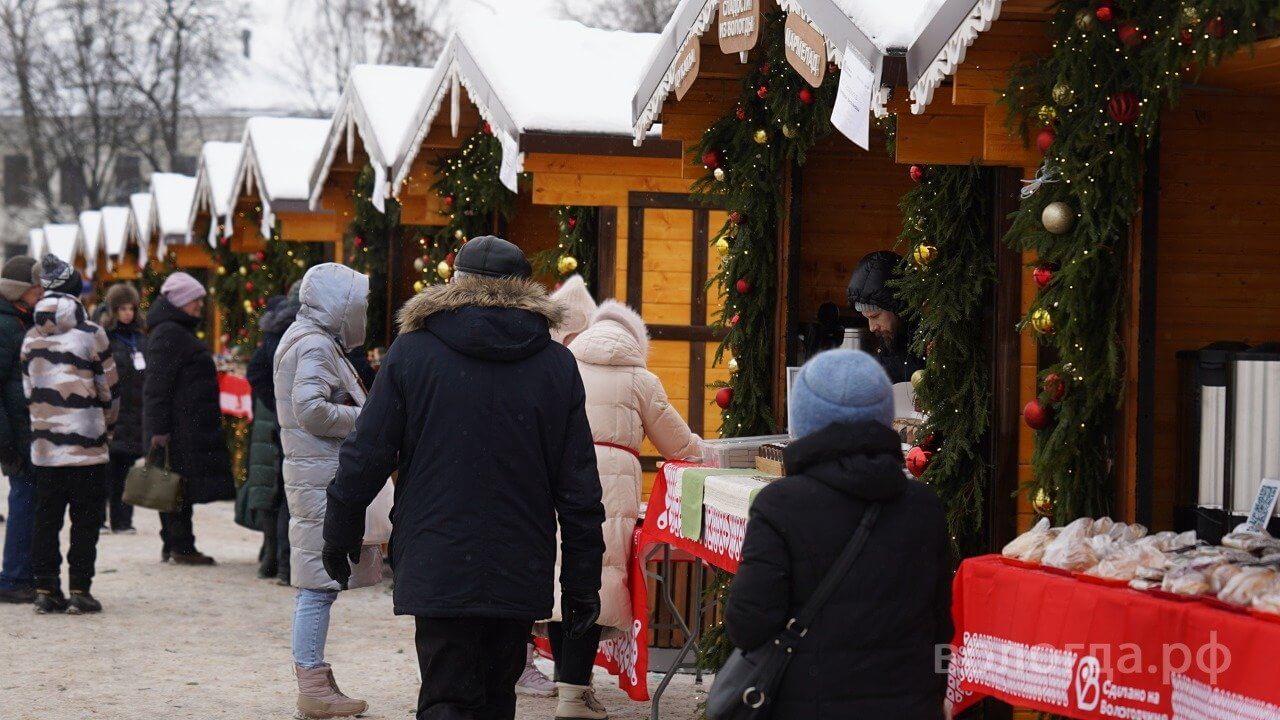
470, 667
120, 512
177, 532
283, 548
83, 490
575, 657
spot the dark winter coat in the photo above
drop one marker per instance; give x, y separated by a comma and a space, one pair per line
125, 342
258, 499
870, 653
260, 372
15, 422
483, 416
181, 399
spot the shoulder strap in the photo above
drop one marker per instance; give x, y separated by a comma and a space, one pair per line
837, 572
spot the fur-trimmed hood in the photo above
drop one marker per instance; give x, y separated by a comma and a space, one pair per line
493, 318
617, 336
579, 307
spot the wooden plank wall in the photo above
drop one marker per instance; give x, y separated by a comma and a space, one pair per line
1217, 259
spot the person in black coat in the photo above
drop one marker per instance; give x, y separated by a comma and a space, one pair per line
484, 417
182, 413
870, 295
123, 323
871, 651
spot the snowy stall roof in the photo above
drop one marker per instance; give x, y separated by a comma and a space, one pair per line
63, 241
383, 104
140, 213
216, 184
280, 157
172, 196
933, 35
35, 243
91, 237
531, 75
116, 223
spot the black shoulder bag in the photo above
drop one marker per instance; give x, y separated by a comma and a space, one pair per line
744, 688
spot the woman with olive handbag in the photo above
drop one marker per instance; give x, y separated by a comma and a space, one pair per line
849, 553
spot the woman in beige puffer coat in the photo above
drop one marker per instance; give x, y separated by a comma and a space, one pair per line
625, 403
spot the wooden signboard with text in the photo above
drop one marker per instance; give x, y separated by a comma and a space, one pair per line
686, 67
806, 49
739, 25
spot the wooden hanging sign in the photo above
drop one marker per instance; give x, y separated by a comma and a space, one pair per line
739, 25
806, 49
685, 70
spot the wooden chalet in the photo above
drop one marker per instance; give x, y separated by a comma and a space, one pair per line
172, 198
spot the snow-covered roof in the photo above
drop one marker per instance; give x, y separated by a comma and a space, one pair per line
140, 211
529, 74
382, 103
35, 243
280, 157
172, 197
63, 241
216, 184
116, 223
932, 34
91, 235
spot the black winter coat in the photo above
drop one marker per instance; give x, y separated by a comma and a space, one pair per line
484, 417
870, 653
15, 421
126, 438
181, 399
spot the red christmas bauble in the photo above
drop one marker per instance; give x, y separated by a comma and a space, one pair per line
255, 267
572, 223
742, 286
223, 241
724, 397
930, 442
762, 91
1216, 27
262, 302
449, 259
1045, 138
1186, 36
1055, 388
805, 95
765, 67
1123, 107
488, 129
916, 172
1130, 34
359, 241
740, 113
1104, 13
448, 201
918, 461
1037, 416
733, 321
832, 67
248, 287
711, 159
735, 217
1043, 275
260, 256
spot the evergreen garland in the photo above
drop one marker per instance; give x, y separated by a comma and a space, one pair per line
243, 282
472, 196
575, 251
947, 281
777, 119
1096, 101
367, 245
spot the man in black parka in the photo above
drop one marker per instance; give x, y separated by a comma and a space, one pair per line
871, 296
483, 416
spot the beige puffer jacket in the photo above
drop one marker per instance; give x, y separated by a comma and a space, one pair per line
625, 402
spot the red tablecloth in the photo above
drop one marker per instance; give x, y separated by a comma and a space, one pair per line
235, 395
1052, 642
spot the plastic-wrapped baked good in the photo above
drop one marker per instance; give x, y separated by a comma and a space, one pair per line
1248, 584
1125, 563
1029, 546
1185, 581
1102, 526
1268, 601
1140, 584
1071, 549
1126, 533
1244, 538
1221, 575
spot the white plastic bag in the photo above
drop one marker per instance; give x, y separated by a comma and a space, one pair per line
377, 517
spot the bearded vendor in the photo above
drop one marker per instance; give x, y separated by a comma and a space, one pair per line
870, 295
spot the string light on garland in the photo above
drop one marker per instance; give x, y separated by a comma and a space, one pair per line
470, 176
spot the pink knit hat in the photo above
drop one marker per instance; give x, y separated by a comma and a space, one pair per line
180, 289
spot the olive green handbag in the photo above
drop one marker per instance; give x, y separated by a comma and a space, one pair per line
154, 486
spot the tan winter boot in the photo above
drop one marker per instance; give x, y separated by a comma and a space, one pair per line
319, 697
578, 702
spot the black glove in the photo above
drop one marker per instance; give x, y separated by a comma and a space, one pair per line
335, 563
579, 614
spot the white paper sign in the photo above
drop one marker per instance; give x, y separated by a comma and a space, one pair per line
1264, 504
852, 112
510, 170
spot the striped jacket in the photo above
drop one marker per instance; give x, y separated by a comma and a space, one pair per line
70, 381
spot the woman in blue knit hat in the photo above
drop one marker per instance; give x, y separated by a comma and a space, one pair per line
871, 651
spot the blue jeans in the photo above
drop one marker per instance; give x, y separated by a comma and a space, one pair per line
16, 573
311, 626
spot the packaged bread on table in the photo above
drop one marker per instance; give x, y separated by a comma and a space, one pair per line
1125, 563
1248, 584
1071, 549
1185, 580
1249, 540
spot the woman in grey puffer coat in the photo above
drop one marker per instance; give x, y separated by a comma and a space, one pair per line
318, 396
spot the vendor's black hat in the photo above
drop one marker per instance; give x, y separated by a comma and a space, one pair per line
492, 257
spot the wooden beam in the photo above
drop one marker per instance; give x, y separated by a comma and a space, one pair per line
946, 134
1002, 145
310, 226
594, 164
1253, 70
585, 189
187, 257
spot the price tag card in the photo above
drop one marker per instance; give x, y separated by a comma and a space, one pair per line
1264, 504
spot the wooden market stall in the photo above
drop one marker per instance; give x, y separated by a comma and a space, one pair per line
117, 228
273, 185
172, 199
216, 192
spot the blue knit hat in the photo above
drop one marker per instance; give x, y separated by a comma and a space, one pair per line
839, 386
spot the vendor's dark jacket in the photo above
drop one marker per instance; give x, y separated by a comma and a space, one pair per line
870, 653
181, 399
15, 421
483, 416
125, 342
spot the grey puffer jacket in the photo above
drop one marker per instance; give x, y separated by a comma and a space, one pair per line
318, 397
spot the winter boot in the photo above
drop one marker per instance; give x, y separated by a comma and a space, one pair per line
195, 557
532, 682
18, 596
320, 698
578, 702
50, 601
82, 603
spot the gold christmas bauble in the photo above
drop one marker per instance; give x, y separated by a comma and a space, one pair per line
222, 269
1063, 94
1085, 20
719, 174
300, 263
444, 270
1058, 217
248, 306
1190, 15
789, 132
244, 270
761, 136
1047, 114
924, 255
733, 365
1042, 321
418, 264
419, 286
567, 264
722, 245
1042, 503
917, 377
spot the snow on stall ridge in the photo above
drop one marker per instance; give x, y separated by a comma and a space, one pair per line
390, 96
62, 240
91, 233
174, 195
35, 243
285, 152
115, 229
221, 160
140, 206
558, 75
890, 23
